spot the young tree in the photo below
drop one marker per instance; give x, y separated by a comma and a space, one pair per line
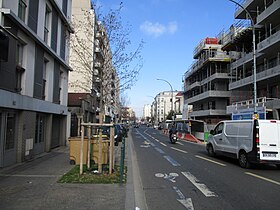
119, 69
127, 63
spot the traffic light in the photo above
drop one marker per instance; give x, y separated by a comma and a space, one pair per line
4, 46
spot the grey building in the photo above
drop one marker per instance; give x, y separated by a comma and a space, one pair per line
33, 77
206, 83
239, 39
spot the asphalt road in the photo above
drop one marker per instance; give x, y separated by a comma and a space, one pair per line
183, 176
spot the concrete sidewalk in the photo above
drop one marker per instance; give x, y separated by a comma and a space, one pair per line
33, 185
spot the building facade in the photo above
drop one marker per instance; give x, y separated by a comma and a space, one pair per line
93, 73
147, 111
163, 104
239, 39
33, 77
206, 83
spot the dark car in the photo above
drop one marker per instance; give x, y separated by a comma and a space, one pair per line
118, 133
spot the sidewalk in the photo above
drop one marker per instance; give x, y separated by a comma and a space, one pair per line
33, 185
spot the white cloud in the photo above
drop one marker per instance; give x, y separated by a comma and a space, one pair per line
157, 29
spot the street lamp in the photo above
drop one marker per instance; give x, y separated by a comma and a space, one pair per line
171, 96
254, 57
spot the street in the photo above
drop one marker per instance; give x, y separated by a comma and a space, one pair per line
183, 176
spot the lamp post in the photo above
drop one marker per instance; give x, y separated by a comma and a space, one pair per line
171, 96
254, 57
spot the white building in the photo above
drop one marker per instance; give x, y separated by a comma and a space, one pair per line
33, 77
147, 111
164, 103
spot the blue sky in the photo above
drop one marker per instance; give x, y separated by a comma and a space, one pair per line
171, 29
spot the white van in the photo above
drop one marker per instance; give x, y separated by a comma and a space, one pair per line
249, 141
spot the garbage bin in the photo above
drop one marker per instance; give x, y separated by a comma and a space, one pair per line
75, 149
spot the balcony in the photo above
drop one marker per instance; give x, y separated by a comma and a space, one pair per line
99, 52
209, 112
193, 85
97, 65
244, 58
271, 40
261, 76
268, 12
99, 35
207, 43
209, 94
217, 56
215, 77
237, 33
250, 5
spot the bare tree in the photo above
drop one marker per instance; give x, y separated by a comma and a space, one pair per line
127, 64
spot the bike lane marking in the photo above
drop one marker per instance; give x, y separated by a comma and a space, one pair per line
171, 160
202, 187
186, 202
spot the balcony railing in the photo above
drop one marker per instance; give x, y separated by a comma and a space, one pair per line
235, 31
217, 56
203, 43
264, 71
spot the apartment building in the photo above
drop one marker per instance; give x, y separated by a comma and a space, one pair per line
206, 83
93, 77
106, 81
239, 39
163, 104
33, 77
147, 111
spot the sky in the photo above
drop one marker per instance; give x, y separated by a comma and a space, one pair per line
171, 29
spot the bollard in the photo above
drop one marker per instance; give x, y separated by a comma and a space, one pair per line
122, 160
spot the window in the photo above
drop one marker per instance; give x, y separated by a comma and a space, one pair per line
44, 79
19, 69
47, 24
10, 131
39, 132
19, 53
219, 129
22, 9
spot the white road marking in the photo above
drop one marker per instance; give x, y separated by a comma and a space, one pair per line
171, 160
159, 150
178, 150
171, 176
209, 160
187, 202
263, 178
202, 187
180, 143
163, 144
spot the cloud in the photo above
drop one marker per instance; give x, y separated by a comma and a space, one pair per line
157, 29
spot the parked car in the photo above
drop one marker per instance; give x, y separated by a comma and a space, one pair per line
118, 133
249, 141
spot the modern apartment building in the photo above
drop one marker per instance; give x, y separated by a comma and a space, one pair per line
239, 39
33, 77
206, 83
